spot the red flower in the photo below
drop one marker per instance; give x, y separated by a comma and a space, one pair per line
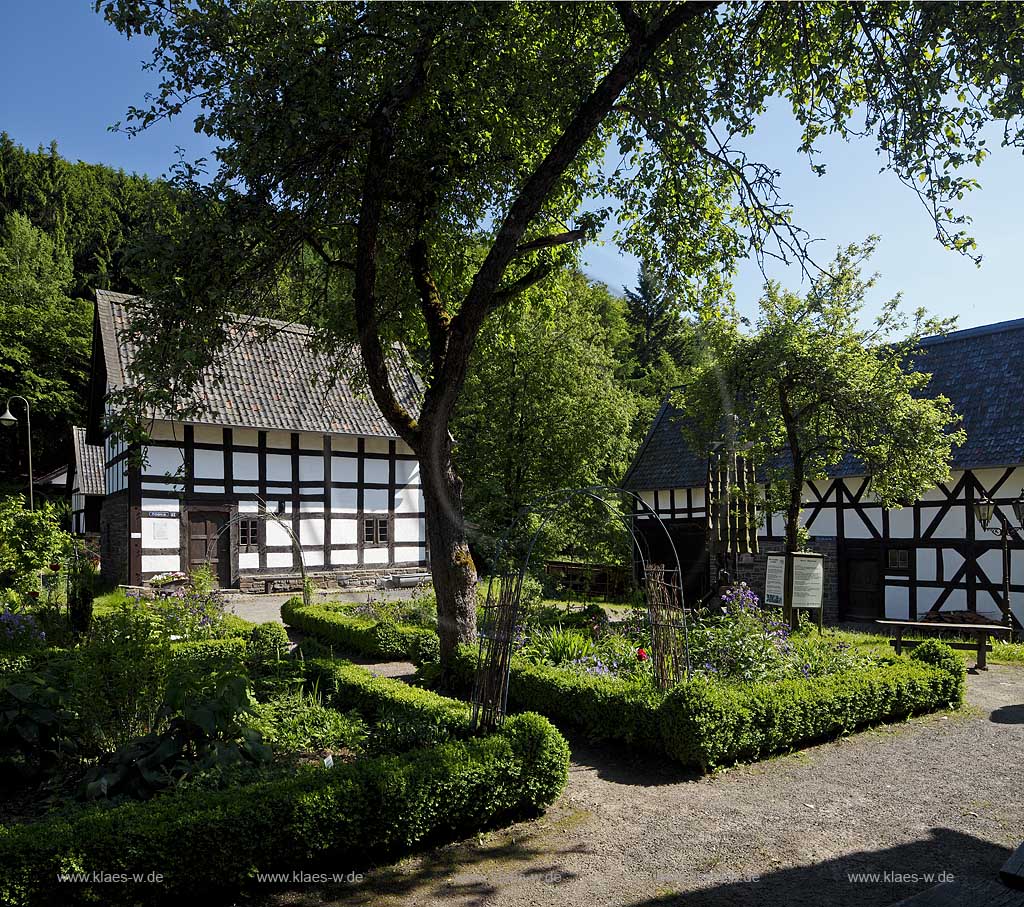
55, 566
34, 594
641, 653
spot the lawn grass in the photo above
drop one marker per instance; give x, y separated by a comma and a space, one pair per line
868, 642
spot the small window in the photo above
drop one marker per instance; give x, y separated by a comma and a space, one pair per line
248, 535
375, 531
899, 559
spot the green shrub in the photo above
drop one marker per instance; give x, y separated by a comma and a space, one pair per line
706, 724
233, 625
118, 677
205, 734
209, 845
346, 687
359, 635
194, 664
299, 722
940, 655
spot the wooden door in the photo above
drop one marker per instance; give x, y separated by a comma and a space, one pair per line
208, 544
864, 596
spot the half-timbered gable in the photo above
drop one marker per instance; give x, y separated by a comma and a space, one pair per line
900, 563
85, 484
281, 466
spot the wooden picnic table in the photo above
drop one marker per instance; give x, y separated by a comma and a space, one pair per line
981, 631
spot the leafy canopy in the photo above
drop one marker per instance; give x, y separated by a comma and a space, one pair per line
810, 387
365, 148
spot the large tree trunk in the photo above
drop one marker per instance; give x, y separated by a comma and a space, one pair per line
451, 565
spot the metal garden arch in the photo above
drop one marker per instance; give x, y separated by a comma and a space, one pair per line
665, 607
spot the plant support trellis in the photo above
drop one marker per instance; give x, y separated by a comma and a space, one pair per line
662, 591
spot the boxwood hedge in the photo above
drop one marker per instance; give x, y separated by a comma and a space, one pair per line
705, 724
214, 843
362, 636
346, 686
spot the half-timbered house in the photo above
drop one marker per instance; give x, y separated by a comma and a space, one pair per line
931, 555
85, 484
282, 465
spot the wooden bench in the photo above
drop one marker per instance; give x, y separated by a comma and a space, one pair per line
982, 632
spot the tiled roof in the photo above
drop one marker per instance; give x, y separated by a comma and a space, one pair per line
88, 464
981, 370
268, 376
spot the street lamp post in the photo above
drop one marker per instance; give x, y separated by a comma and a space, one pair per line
9, 420
984, 509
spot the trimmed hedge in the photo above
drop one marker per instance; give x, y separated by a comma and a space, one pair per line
705, 724
361, 636
346, 686
213, 843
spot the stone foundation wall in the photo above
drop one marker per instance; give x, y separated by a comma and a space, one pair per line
350, 580
752, 570
114, 539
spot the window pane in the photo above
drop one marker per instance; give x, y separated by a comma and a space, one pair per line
369, 531
382, 532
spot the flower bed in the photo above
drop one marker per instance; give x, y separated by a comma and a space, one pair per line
705, 723
203, 844
358, 635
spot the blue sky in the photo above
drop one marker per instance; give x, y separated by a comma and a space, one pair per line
66, 75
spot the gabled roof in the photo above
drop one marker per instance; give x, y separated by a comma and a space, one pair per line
268, 376
981, 370
88, 465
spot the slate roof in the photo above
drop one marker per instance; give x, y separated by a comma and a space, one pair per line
88, 464
269, 376
981, 370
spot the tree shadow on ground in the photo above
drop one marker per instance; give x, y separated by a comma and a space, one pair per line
1008, 714
432, 874
623, 764
853, 880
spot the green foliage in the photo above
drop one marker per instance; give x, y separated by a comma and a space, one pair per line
83, 581
556, 646
29, 540
359, 635
203, 734
35, 722
544, 410
812, 387
45, 347
705, 724
195, 665
191, 613
19, 631
298, 723
267, 660
210, 843
345, 687
119, 678
202, 579
939, 655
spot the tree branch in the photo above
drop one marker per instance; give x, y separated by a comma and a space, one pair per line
381, 148
554, 239
538, 186
531, 277
431, 304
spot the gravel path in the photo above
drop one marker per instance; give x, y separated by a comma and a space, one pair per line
942, 793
